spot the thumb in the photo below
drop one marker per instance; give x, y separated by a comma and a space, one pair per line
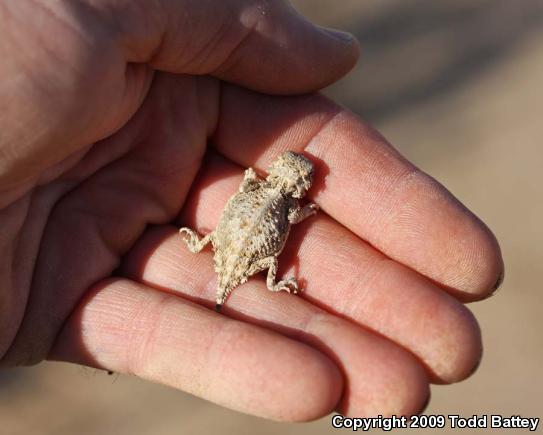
263, 45
81, 69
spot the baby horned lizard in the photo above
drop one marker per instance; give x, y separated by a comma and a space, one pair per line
255, 224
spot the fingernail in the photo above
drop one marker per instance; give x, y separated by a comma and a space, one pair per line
496, 286
499, 281
338, 34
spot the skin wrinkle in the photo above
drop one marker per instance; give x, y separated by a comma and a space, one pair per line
167, 34
366, 283
352, 283
313, 322
53, 172
138, 79
98, 222
18, 282
124, 319
229, 337
144, 331
419, 182
15, 280
191, 282
224, 338
157, 27
159, 204
388, 211
8, 301
305, 148
376, 210
251, 21
49, 175
93, 40
104, 314
199, 62
208, 106
292, 142
55, 54
63, 19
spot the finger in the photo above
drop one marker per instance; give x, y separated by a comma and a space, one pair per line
365, 184
380, 377
129, 328
349, 277
264, 45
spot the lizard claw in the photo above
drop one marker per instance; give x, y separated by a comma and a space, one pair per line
289, 285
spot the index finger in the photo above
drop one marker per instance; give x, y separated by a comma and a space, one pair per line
365, 184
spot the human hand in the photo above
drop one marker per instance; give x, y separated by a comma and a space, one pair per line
98, 142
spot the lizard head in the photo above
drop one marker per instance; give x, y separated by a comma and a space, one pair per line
293, 173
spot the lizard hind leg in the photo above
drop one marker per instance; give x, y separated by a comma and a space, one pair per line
194, 243
289, 285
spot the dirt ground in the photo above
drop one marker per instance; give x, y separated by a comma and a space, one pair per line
457, 86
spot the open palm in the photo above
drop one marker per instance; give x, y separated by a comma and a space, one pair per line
125, 121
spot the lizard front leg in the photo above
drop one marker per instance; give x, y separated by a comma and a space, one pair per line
194, 243
298, 214
250, 180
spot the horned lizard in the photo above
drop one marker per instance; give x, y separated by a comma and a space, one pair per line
255, 224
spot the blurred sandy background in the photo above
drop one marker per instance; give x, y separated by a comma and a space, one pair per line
457, 85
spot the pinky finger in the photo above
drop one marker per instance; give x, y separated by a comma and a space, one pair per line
127, 327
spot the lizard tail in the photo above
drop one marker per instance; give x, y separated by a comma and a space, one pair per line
223, 290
